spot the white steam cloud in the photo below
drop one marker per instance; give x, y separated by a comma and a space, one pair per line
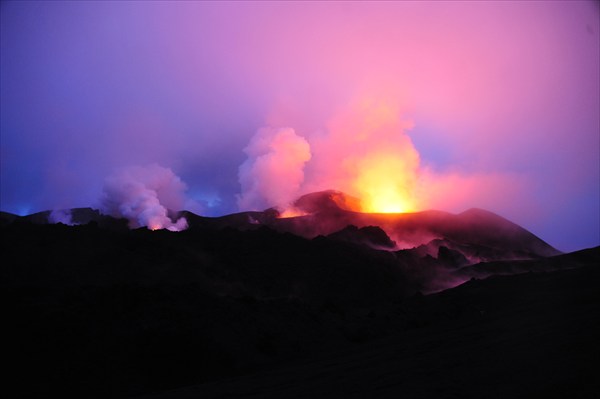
274, 170
144, 196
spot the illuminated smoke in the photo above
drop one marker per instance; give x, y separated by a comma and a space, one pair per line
144, 196
273, 172
366, 153
61, 216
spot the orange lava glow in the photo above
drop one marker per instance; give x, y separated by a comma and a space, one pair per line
368, 155
385, 182
291, 213
154, 226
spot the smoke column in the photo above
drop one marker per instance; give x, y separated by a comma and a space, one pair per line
366, 153
274, 171
144, 196
61, 216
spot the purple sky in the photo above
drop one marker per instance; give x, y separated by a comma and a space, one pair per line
503, 98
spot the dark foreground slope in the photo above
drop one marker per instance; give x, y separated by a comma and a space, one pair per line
525, 336
94, 312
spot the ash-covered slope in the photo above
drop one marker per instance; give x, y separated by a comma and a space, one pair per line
527, 336
564, 261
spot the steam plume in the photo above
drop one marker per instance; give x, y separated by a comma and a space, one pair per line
144, 196
367, 153
274, 170
61, 216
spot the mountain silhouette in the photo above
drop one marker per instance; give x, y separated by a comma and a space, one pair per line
99, 310
481, 235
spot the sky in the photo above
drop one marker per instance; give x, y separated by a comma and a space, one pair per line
246, 105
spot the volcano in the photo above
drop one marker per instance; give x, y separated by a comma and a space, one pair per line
481, 235
263, 300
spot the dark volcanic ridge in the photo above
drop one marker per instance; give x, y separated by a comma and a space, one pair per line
477, 234
435, 250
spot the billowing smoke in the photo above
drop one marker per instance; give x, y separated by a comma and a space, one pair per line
366, 153
273, 173
145, 196
61, 216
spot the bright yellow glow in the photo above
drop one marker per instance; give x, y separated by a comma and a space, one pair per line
384, 183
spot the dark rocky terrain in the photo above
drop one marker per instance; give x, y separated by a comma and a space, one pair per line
481, 235
239, 306
533, 335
